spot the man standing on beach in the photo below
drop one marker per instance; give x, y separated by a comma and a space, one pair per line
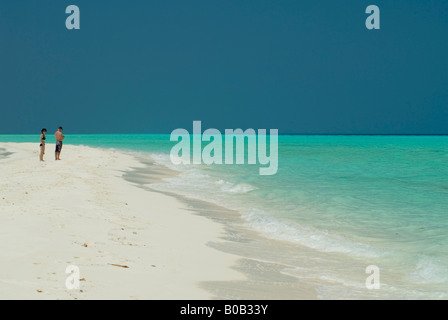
59, 137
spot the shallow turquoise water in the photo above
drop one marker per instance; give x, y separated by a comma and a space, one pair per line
382, 198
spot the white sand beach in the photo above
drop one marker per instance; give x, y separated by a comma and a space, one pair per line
81, 212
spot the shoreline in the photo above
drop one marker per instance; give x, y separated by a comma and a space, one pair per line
261, 274
80, 211
275, 268
176, 247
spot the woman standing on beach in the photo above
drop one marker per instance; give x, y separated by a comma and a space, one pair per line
42, 144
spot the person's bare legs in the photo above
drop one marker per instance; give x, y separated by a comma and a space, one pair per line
57, 155
42, 152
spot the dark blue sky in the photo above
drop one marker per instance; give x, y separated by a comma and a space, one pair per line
153, 66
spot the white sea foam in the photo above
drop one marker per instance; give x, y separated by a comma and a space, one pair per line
164, 160
428, 271
226, 186
307, 236
192, 182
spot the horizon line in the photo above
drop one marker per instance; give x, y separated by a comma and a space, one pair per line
280, 134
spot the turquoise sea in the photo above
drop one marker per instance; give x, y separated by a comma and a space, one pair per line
366, 200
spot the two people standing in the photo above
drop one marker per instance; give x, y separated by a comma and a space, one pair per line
59, 138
